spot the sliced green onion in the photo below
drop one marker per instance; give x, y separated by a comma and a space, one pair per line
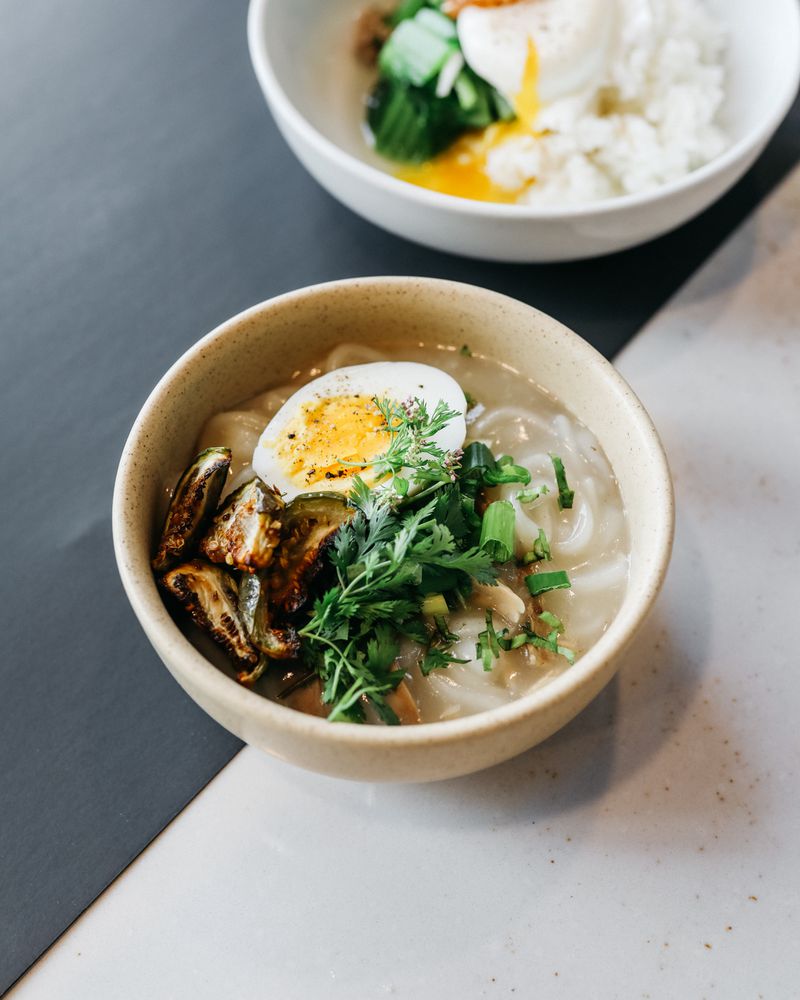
471, 400
477, 456
541, 583
565, 494
528, 496
412, 54
551, 644
435, 604
550, 619
540, 550
497, 530
489, 644
506, 474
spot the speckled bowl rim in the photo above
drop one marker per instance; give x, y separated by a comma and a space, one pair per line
146, 601
394, 187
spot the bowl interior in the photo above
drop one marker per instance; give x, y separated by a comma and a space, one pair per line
265, 345
309, 46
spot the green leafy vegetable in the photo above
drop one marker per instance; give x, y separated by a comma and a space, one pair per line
413, 54
565, 494
380, 558
410, 118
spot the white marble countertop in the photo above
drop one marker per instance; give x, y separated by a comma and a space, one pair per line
647, 850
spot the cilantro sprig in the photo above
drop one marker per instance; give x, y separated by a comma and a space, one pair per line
380, 559
414, 460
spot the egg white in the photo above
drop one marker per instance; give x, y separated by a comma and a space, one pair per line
572, 40
394, 380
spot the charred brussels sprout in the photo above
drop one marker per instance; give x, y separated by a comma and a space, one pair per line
247, 529
277, 644
210, 595
193, 504
312, 519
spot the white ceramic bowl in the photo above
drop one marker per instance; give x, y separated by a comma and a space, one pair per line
261, 347
301, 52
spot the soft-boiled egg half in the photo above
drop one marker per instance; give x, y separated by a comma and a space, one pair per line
534, 52
330, 430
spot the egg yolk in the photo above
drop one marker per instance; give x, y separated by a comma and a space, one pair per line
326, 434
461, 169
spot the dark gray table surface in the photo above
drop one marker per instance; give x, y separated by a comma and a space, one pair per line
145, 196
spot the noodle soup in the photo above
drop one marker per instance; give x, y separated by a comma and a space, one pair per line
587, 542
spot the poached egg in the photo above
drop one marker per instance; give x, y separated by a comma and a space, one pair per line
534, 52
331, 430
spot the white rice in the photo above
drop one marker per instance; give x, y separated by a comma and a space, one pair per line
651, 120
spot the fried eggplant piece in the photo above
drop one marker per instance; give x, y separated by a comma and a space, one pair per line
193, 504
275, 643
246, 531
312, 520
210, 595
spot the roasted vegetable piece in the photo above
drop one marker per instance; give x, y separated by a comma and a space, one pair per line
210, 595
247, 529
277, 644
192, 506
312, 519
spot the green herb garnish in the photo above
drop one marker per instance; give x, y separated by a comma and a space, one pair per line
413, 458
541, 583
426, 97
380, 558
529, 496
540, 550
465, 352
497, 530
487, 648
565, 494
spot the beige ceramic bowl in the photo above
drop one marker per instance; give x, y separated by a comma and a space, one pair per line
261, 347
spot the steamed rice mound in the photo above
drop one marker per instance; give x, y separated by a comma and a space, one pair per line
650, 121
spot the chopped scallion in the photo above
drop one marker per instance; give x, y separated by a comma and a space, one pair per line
497, 530
550, 619
528, 496
506, 474
489, 644
435, 604
540, 550
541, 583
477, 456
565, 494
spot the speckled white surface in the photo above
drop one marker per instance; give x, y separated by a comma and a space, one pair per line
648, 850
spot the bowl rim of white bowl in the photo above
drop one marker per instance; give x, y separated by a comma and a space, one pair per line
148, 604
276, 94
